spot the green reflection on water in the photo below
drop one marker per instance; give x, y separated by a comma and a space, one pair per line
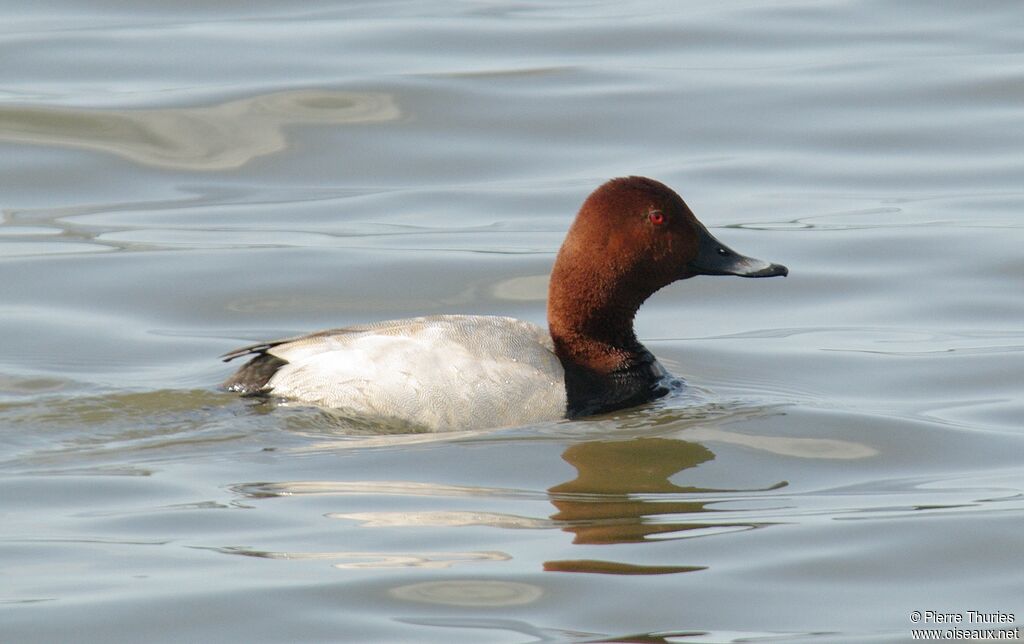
216, 137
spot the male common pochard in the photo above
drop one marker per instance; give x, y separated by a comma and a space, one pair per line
631, 237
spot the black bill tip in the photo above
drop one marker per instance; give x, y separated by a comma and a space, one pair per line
771, 270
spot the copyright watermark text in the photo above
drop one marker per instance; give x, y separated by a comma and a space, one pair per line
964, 625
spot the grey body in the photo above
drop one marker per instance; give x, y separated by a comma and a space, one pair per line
440, 372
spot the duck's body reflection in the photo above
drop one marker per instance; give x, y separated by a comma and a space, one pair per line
622, 494
621, 490
617, 485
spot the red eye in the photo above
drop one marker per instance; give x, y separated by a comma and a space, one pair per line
657, 218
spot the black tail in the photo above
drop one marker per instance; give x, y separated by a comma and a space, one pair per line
252, 378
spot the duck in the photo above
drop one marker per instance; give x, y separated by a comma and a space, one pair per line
631, 237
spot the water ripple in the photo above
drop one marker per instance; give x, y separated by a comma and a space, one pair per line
218, 137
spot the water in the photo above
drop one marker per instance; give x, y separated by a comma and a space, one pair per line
177, 181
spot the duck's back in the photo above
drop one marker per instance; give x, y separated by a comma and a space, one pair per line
439, 372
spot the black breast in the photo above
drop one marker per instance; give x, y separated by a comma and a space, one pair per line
591, 392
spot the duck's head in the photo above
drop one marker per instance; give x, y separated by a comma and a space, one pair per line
631, 237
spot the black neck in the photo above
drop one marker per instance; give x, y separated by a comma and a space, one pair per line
636, 381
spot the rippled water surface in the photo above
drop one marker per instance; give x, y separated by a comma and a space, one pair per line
179, 180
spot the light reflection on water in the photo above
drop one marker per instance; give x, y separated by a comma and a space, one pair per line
219, 137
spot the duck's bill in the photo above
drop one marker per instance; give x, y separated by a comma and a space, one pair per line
715, 258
